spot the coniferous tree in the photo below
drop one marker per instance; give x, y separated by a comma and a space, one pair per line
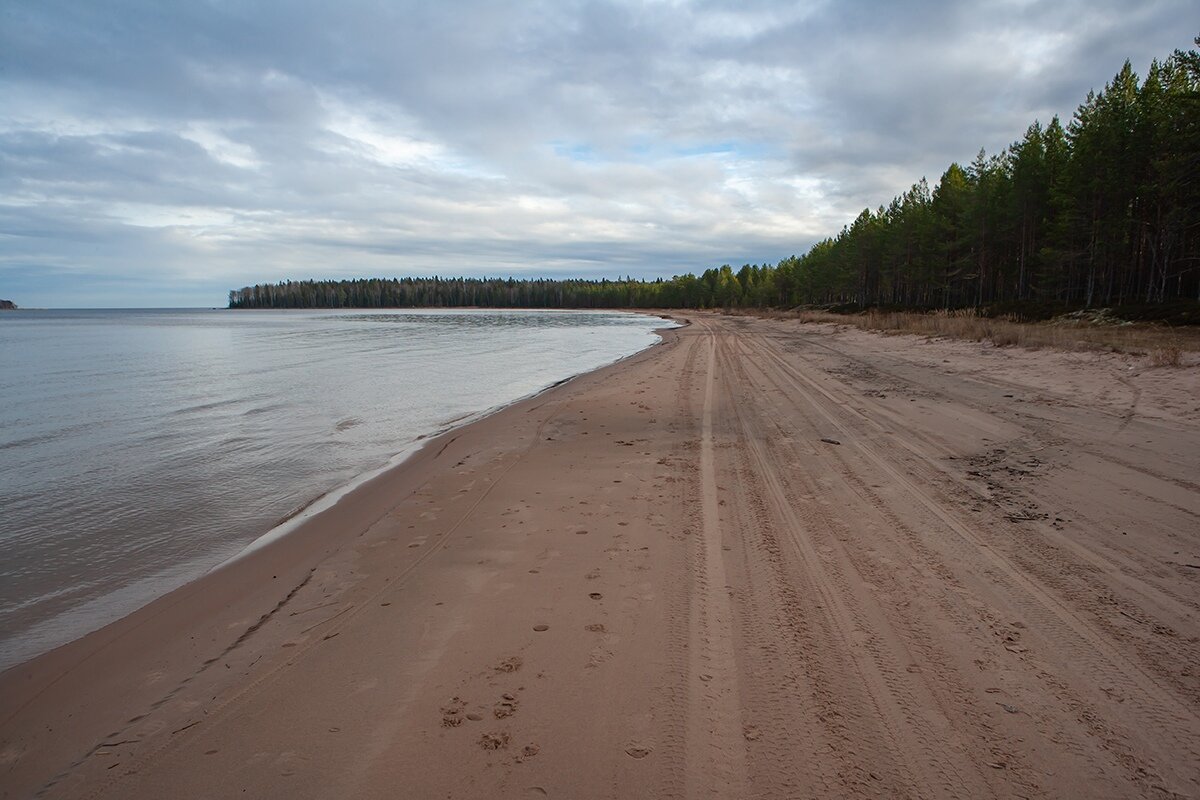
1105, 210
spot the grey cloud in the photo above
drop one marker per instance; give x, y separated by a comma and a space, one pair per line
191, 147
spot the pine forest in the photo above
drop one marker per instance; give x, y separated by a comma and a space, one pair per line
1101, 212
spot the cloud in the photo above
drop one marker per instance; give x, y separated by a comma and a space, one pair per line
164, 152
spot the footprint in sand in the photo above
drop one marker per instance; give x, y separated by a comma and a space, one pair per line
540, 628
494, 741
510, 664
595, 595
506, 707
452, 712
599, 656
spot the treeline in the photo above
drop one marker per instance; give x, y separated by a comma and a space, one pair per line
1104, 211
455, 292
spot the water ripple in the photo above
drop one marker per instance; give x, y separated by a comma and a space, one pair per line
143, 447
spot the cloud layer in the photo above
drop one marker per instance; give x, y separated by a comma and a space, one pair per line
160, 153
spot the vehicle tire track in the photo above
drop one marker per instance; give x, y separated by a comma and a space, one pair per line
1159, 709
716, 743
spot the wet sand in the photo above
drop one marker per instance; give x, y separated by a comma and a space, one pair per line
761, 559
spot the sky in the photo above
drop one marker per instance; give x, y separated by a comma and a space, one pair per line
161, 153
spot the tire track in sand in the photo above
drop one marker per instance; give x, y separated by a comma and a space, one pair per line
716, 751
1155, 709
879, 677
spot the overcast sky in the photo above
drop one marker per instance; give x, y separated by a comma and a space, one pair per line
160, 153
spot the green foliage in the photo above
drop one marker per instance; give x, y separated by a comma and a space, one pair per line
1105, 211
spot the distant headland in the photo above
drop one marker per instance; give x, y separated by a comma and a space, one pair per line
7, 305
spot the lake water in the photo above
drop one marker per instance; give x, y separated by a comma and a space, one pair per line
139, 449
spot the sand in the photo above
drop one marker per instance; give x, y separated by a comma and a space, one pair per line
759, 560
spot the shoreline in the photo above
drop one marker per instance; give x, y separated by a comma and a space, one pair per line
327, 500
90, 668
319, 503
760, 559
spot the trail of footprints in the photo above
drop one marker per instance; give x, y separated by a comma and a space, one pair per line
470, 715
458, 712
487, 715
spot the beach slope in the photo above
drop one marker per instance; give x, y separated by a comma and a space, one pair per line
760, 560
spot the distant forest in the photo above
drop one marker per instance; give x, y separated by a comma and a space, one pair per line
1102, 212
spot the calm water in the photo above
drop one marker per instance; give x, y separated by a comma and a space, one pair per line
140, 448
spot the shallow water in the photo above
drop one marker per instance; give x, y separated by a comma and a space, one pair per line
140, 448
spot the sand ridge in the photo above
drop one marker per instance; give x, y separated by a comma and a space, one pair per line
760, 560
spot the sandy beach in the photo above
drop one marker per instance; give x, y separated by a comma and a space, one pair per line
762, 559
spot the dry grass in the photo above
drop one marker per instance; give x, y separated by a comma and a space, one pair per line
1165, 346
1165, 356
